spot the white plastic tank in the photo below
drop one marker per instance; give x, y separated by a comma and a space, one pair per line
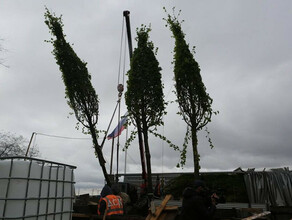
31, 188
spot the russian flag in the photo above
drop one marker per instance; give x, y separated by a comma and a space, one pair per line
120, 127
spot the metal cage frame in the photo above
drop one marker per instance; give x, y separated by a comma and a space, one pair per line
48, 198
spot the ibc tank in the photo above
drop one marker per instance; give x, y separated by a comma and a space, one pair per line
31, 188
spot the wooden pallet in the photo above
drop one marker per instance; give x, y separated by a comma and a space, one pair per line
164, 212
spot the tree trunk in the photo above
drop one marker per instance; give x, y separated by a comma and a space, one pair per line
99, 153
148, 161
195, 153
141, 148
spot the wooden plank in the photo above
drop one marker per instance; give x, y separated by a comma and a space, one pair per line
257, 216
171, 208
159, 209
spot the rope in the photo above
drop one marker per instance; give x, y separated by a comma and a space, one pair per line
133, 159
124, 61
120, 86
57, 136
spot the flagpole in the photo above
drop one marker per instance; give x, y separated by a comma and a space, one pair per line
125, 169
111, 166
118, 144
103, 141
120, 90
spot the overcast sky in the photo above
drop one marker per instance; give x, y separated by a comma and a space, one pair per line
243, 49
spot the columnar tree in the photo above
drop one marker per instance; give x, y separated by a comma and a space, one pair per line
81, 96
194, 102
144, 96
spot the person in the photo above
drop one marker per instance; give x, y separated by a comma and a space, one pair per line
109, 203
143, 189
125, 197
162, 187
196, 204
157, 189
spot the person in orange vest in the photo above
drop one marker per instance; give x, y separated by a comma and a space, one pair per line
109, 203
125, 197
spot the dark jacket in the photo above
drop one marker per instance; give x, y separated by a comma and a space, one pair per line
196, 206
106, 190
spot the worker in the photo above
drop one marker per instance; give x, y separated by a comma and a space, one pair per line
125, 197
109, 203
162, 187
197, 205
143, 189
157, 189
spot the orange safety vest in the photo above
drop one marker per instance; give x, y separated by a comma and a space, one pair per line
114, 205
98, 206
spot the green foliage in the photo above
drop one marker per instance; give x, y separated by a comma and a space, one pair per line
183, 153
144, 96
175, 147
231, 186
208, 137
80, 94
130, 139
195, 104
176, 186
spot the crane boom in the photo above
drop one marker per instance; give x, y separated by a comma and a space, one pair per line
141, 146
128, 26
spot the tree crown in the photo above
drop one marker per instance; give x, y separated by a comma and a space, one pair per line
194, 102
144, 96
81, 96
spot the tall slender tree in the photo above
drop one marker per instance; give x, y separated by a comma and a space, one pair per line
81, 96
144, 96
194, 102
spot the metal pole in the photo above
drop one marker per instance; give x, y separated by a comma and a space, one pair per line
110, 123
111, 166
125, 169
118, 142
33, 133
